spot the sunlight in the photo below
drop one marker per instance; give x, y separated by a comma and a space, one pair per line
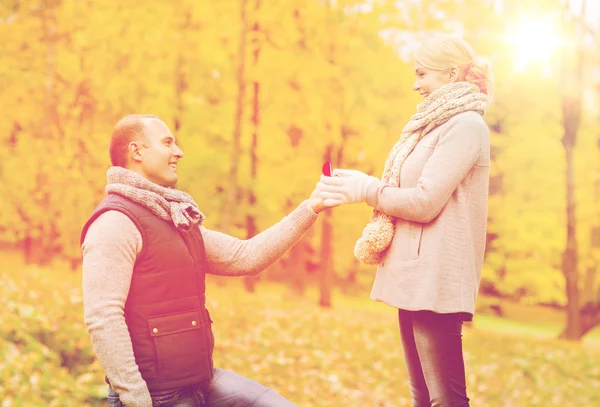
535, 41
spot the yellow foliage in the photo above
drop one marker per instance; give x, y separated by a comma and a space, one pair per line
329, 74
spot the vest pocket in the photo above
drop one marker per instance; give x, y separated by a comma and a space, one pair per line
181, 344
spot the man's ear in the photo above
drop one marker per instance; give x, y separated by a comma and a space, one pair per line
454, 74
135, 150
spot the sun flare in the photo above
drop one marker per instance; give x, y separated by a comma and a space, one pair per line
535, 41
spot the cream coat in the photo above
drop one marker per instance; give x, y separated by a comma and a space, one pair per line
434, 261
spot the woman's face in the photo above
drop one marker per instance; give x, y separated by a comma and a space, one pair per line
429, 80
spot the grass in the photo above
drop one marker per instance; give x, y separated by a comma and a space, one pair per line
529, 320
349, 355
521, 320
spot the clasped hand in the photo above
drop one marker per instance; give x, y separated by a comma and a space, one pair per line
343, 187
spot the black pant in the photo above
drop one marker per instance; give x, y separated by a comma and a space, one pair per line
433, 353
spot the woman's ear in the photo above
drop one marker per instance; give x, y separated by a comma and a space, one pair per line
454, 74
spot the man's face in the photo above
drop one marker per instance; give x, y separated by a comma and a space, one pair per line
159, 154
429, 80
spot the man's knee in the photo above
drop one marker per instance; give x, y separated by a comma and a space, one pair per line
231, 386
271, 398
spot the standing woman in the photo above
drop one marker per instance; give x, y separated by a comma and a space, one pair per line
428, 229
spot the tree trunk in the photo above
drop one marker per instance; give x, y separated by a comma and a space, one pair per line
571, 108
251, 229
232, 187
50, 113
181, 83
349, 284
37, 250
591, 288
335, 108
326, 270
326, 260
34, 251
180, 88
296, 269
591, 293
590, 317
569, 257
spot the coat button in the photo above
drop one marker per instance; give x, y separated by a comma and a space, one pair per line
155, 330
194, 323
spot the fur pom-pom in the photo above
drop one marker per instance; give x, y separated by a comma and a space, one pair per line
376, 238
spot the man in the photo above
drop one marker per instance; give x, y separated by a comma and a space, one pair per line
145, 256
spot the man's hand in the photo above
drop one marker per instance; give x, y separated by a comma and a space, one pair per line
315, 202
344, 187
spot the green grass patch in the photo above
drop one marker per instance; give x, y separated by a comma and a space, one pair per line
349, 355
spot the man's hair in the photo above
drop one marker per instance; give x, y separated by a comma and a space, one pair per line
128, 129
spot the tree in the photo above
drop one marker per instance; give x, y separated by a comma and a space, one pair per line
572, 82
236, 150
251, 227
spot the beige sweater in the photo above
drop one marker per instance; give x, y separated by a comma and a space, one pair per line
435, 259
109, 252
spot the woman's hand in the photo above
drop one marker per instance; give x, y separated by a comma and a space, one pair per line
344, 187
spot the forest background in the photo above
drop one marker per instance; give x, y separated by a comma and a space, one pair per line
259, 93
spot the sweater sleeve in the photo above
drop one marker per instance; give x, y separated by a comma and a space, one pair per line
229, 256
455, 154
109, 250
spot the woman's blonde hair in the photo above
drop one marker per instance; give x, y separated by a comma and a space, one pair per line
443, 52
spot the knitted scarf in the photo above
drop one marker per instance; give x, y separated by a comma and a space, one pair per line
439, 107
168, 204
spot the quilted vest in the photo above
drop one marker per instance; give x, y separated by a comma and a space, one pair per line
165, 310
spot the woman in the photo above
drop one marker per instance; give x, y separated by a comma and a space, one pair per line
427, 233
